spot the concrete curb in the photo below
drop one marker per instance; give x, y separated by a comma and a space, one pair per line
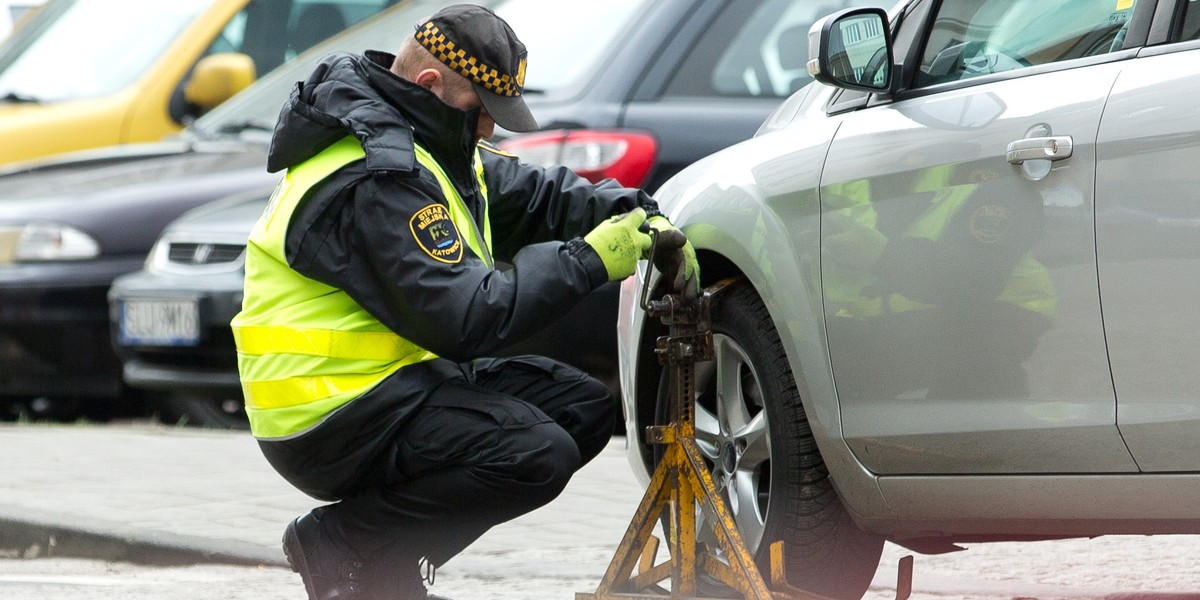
42, 535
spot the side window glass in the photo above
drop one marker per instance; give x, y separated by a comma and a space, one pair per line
754, 49
231, 36
980, 37
274, 31
311, 22
1191, 21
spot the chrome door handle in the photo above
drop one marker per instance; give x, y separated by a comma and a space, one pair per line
1040, 148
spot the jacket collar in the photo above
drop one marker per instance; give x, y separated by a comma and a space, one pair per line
446, 132
360, 96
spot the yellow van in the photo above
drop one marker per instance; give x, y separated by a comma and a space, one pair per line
82, 74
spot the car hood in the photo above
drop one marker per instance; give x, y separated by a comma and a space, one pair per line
125, 196
226, 218
83, 174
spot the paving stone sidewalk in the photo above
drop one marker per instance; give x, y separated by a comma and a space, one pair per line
211, 495
153, 494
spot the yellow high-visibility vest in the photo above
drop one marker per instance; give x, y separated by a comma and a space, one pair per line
306, 348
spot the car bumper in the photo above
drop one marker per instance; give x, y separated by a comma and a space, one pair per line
54, 329
204, 365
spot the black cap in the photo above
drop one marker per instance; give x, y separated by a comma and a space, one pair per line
480, 46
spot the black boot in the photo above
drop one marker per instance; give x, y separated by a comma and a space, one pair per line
329, 570
401, 578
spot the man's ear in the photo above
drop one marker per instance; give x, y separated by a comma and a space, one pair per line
430, 79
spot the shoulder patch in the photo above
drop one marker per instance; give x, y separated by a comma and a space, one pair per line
494, 149
436, 234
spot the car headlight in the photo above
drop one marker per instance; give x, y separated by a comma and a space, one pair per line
45, 241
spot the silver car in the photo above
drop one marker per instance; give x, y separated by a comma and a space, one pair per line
965, 268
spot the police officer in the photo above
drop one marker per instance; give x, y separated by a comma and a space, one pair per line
372, 300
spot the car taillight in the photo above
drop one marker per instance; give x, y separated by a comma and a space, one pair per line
625, 156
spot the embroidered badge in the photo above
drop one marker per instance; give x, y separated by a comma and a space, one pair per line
436, 234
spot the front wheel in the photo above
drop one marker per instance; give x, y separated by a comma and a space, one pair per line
757, 443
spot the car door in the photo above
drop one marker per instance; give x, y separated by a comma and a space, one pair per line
1148, 238
958, 249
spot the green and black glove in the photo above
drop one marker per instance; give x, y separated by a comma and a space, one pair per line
678, 262
620, 243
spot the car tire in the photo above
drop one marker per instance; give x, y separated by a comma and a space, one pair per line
778, 486
195, 410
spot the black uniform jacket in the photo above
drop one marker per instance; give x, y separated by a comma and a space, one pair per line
355, 230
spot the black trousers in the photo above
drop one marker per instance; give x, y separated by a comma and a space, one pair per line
439, 453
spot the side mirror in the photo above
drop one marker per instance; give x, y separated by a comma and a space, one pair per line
217, 77
852, 49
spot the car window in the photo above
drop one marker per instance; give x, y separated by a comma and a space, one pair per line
1191, 21
257, 107
978, 37
754, 49
273, 32
92, 48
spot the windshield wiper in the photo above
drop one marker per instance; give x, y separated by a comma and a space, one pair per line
18, 98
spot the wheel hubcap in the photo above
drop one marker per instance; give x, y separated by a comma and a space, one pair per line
731, 431
728, 458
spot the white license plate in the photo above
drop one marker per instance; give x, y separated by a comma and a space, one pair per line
160, 323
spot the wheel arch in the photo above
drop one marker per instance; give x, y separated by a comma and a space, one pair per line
753, 211
779, 276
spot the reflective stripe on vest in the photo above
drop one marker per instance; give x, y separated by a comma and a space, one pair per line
306, 348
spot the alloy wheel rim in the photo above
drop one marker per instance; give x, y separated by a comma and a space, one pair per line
733, 437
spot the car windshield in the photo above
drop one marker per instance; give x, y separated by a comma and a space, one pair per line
90, 48
552, 29
557, 59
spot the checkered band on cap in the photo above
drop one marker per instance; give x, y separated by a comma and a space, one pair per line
492, 80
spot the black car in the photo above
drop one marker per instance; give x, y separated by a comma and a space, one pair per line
633, 89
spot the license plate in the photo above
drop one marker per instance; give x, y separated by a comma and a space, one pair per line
160, 323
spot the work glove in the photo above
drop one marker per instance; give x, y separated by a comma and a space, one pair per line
620, 243
675, 257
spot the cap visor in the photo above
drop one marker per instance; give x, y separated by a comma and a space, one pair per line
509, 112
